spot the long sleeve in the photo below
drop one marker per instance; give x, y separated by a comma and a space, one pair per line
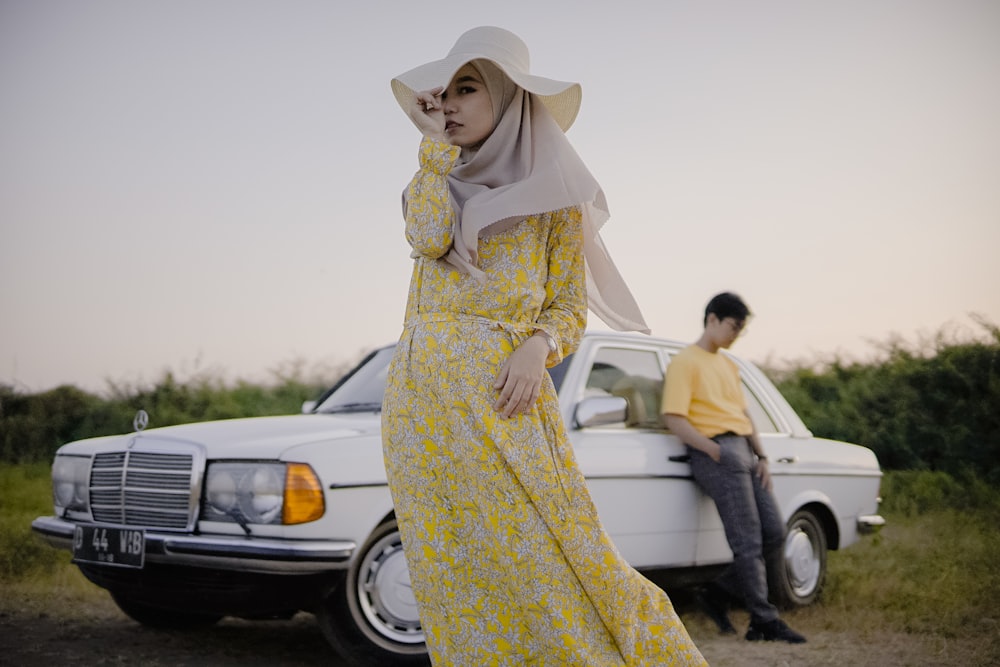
564, 311
429, 215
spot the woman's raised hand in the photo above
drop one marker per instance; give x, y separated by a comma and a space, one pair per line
427, 114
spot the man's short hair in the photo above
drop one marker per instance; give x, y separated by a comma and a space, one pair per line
726, 305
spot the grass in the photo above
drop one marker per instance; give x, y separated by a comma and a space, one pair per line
934, 573
25, 493
34, 577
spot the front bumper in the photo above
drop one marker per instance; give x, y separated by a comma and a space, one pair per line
234, 552
870, 523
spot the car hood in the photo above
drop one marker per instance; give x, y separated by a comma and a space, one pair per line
254, 437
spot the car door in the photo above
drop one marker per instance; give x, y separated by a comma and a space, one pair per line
774, 435
638, 475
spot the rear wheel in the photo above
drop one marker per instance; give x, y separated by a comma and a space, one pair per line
371, 618
157, 617
798, 578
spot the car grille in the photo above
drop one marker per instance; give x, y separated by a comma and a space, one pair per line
148, 489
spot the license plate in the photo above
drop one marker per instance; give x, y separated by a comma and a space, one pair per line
124, 547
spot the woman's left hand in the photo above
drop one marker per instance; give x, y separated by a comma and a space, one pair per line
520, 378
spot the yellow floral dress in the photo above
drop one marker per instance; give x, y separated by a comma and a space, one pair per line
508, 560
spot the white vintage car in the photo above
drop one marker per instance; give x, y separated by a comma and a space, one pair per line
264, 517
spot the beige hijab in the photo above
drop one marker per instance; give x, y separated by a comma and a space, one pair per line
527, 166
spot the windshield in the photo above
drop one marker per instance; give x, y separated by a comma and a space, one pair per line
362, 389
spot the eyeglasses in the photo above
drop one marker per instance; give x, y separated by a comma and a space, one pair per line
739, 327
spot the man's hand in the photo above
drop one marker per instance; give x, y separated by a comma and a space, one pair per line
520, 378
764, 473
682, 428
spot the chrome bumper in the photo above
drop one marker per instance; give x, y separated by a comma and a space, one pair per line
231, 552
870, 523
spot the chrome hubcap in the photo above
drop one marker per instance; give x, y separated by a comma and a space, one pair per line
801, 562
385, 593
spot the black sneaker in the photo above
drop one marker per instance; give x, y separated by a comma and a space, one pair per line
713, 603
773, 631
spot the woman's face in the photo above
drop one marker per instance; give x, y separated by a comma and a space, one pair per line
468, 111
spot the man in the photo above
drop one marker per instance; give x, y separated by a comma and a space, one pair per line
704, 406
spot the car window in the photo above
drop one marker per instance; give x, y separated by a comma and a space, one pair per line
758, 415
632, 374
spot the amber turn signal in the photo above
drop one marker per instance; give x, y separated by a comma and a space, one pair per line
303, 495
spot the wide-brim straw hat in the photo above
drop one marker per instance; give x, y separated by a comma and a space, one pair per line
506, 51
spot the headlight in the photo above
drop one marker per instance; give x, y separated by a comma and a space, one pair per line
262, 493
70, 479
266, 488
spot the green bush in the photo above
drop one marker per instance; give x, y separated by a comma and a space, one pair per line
33, 426
914, 492
931, 409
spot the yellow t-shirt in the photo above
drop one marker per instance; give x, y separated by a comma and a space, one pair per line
705, 387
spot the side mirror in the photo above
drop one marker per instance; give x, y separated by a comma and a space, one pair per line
308, 407
600, 411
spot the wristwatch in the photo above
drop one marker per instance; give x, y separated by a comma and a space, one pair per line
553, 346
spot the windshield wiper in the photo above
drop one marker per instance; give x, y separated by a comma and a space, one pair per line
355, 407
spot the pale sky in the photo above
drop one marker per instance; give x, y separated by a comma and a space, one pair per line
214, 185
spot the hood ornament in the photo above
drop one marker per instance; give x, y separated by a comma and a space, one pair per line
141, 421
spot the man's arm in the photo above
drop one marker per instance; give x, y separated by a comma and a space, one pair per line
763, 470
682, 428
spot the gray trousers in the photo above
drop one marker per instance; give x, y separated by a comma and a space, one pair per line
750, 517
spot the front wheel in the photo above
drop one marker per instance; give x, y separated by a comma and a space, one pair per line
799, 576
164, 619
371, 618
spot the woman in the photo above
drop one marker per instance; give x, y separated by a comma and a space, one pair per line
507, 556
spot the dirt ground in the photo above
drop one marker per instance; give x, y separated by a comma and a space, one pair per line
91, 631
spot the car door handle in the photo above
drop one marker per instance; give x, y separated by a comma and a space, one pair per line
680, 458
788, 459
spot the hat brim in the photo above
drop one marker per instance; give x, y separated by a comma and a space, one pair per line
561, 98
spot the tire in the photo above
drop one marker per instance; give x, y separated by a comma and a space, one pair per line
798, 577
371, 618
164, 619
